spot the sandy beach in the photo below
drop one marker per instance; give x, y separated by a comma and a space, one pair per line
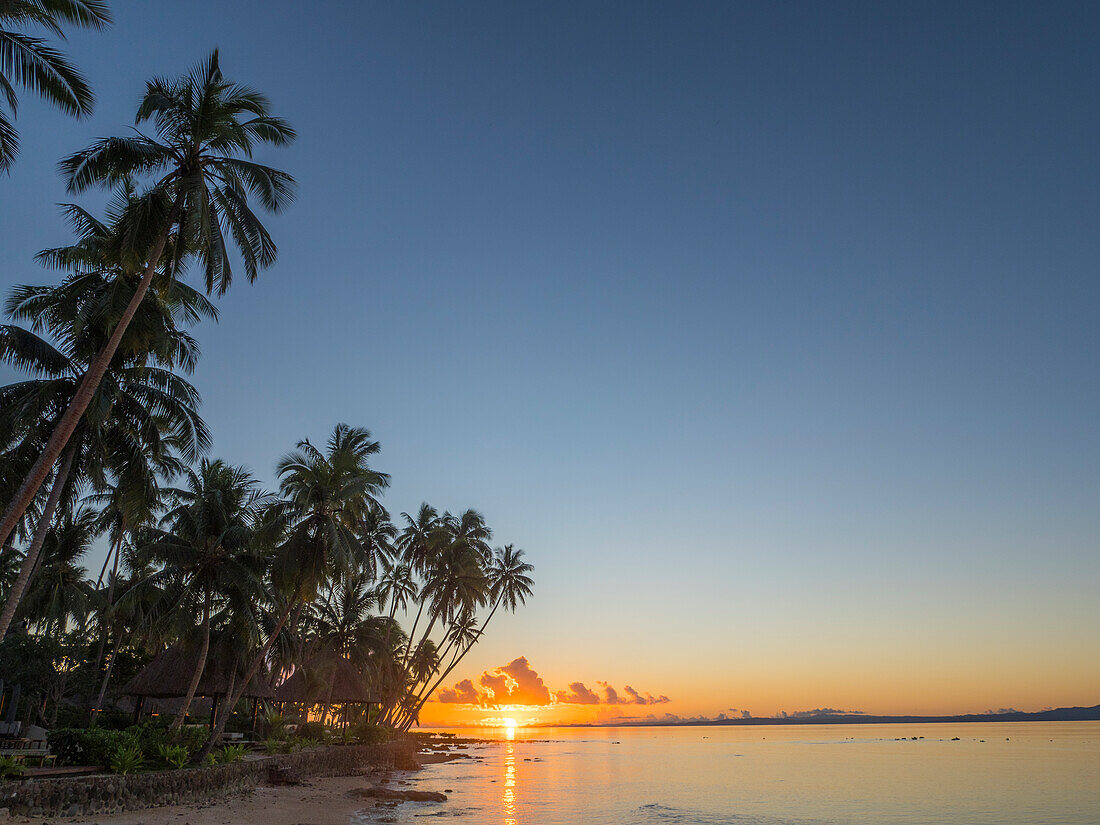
322, 801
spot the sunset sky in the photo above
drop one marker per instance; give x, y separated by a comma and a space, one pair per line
769, 331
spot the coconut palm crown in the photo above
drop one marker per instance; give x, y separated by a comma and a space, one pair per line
29, 62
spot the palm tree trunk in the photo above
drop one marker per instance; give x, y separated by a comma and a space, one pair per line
328, 699
424, 696
412, 635
30, 561
232, 700
196, 677
107, 674
116, 548
84, 393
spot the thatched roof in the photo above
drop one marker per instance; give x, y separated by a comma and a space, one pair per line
170, 672
347, 686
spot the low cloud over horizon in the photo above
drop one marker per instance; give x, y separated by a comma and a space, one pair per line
517, 683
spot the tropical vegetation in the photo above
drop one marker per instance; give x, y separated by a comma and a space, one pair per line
105, 450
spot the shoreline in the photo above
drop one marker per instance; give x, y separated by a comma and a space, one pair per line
317, 800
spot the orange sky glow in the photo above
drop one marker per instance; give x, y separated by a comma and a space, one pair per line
517, 692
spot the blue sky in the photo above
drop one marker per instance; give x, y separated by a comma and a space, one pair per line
760, 326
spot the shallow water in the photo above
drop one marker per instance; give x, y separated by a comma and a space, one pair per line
995, 774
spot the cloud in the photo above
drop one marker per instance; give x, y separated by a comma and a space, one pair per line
578, 694
632, 697
517, 683
799, 714
463, 693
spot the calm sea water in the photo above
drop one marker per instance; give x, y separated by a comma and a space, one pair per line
995, 774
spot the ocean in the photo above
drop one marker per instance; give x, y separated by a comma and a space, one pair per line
1036, 773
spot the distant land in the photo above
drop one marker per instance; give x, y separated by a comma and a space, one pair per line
1091, 714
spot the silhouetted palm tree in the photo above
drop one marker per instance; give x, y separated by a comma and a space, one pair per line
145, 414
206, 130
325, 498
206, 548
29, 62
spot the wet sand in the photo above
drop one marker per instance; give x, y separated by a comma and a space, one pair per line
322, 801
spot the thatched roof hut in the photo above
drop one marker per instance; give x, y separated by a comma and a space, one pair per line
170, 672
348, 687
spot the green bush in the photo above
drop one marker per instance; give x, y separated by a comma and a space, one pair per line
274, 725
311, 730
175, 755
96, 746
191, 737
88, 746
278, 745
10, 767
230, 753
368, 733
127, 759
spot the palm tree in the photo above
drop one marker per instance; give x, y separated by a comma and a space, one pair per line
510, 585
376, 532
455, 582
396, 586
206, 130
144, 414
60, 591
135, 610
509, 582
342, 627
128, 502
325, 498
207, 549
32, 63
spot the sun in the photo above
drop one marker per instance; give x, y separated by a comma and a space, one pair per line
511, 724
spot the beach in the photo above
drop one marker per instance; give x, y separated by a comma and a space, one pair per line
322, 801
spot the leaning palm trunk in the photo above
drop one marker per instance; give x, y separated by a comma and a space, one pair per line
412, 635
426, 694
116, 549
396, 711
89, 384
30, 561
196, 677
233, 697
107, 675
391, 708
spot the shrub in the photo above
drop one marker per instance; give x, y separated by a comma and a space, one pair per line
175, 755
191, 737
127, 759
230, 753
87, 746
311, 730
274, 725
368, 733
10, 768
278, 745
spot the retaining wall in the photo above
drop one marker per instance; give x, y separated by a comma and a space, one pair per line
80, 796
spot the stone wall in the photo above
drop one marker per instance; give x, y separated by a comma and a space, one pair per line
84, 795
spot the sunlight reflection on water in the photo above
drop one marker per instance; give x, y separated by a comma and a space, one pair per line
882, 775
509, 795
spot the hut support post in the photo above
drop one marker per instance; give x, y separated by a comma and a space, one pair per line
255, 711
213, 711
137, 709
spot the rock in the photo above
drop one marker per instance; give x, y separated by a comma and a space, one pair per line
281, 775
391, 794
